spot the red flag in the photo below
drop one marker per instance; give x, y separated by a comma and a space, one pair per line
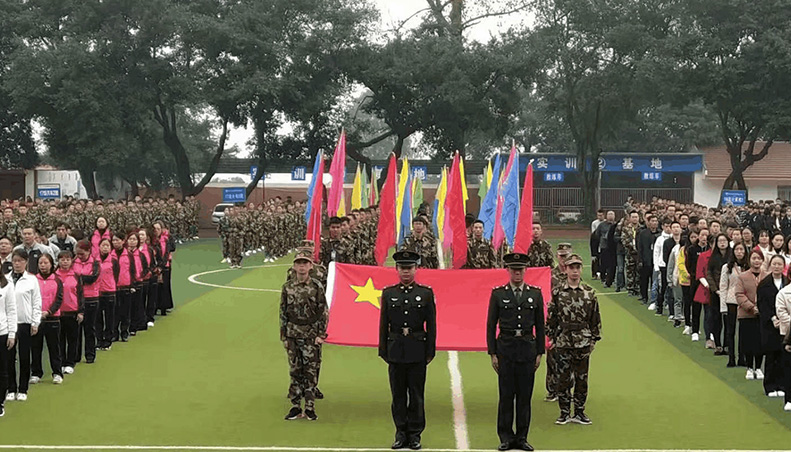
454, 216
385, 235
314, 222
338, 172
524, 228
462, 298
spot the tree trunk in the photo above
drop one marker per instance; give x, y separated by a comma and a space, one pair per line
134, 190
89, 182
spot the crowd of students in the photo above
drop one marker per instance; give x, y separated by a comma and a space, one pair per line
729, 264
77, 296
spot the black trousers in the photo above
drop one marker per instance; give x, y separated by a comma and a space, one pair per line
4, 353
515, 382
138, 309
69, 338
123, 305
165, 292
22, 345
714, 320
153, 297
105, 320
730, 331
645, 280
696, 308
607, 264
686, 292
49, 330
787, 375
773, 380
89, 328
407, 384
660, 297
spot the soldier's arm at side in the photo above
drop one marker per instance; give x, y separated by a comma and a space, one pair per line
552, 318
325, 315
431, 328
491, 324
595, 320
283, 318
539, 325
384, 322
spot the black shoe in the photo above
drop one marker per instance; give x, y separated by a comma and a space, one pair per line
504, 446
294, 413
580, 418
524, 445
677, 324
125, 339
563, 419
133, 333
720, 352
311, 415
617, 289
415, 445
318, 394
398, 444
731, 363
90, 360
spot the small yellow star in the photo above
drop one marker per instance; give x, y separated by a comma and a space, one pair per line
367, 293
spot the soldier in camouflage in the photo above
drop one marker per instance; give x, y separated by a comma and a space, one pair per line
574, 326
422, 243
558, 278
480, 253
303, 328
335, 248
540, 252
628, 240
223, 229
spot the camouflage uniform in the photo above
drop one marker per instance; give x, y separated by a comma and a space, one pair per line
426, 246
236, 239
540, 254
303, 318
632, 274
223, 229
334, 250
480, 254
574, 325
558, 278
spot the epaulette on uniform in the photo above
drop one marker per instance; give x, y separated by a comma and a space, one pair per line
422, 285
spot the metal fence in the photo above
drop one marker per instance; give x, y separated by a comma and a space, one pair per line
564, 204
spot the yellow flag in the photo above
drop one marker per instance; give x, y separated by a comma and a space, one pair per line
440, 213
489, 174
342, 207
463, 184
401, 191
357, 190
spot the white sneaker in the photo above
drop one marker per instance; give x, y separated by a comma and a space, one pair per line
223, 260
21, 396
10, 397
68, 370
772, 394
787, 407
759, 375
695, 337
57, 379
687, 331
34, 380
150, 324
750, 375
652, 307
227, 260
670, 318
781, 394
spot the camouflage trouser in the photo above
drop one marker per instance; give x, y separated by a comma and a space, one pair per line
304, 361
632, 274
235, 249
552, 373
572, 368
225, 246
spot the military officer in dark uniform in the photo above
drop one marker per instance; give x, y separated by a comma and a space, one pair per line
407, 342
516, 353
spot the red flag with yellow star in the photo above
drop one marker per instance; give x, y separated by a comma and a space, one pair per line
462, 297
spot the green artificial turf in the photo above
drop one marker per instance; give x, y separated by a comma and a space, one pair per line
214, 374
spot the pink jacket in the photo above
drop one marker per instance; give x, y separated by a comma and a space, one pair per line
96, 238
72, 291
88, 271
124, 268
108, 276
51, 294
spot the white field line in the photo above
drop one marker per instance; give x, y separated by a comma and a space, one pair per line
319, 449
194, 278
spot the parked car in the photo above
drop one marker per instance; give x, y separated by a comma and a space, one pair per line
219, 212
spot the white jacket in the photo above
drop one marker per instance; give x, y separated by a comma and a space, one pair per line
28, 299
659, 258
783, 308
7, 312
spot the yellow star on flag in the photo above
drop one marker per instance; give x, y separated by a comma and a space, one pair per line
367, 293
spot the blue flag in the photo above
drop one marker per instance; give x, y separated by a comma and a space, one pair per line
312, 185
489, 207
510, 193
406, 212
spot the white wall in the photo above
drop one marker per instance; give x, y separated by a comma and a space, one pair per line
707, 191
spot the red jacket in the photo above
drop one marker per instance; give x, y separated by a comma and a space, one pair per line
702, 294
108, 276
88, 271
51, 294
72, 291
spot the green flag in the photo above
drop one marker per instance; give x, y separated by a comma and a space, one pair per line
484, 186
417, 195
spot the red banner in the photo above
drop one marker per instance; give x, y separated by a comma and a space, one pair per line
462, 298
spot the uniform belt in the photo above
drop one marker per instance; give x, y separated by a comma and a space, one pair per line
407, 332
517, 333
308, 321
573, 326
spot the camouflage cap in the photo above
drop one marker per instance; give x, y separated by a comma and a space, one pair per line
564, 249
304, 254
308, 244
515, 260
573, 259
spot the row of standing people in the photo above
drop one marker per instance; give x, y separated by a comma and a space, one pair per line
107, 289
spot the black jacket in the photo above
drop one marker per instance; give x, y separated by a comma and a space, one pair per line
645, 246
771, 340
407, 324
517, 319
